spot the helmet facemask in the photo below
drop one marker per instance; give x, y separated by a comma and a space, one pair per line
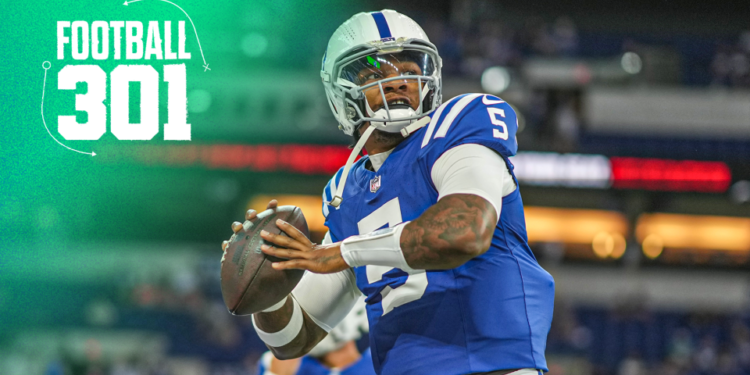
365, 79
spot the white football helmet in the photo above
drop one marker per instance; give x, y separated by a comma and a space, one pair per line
367, 51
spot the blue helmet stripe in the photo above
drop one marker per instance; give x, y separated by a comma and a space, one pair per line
383, 29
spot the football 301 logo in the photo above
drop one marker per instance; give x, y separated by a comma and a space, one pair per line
149, 41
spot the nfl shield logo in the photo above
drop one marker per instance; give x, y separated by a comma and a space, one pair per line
375, 184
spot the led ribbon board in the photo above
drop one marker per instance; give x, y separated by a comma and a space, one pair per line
531, 168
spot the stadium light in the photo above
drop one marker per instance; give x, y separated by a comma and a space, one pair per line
495, 79
603, 244
652, 246
575, 226
693, 232
619, 246
631, 63
609, 244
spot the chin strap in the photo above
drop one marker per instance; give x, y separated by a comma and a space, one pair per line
336, 201
337, 197
416, 125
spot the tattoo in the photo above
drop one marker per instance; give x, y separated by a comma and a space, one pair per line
450, 233
328, 258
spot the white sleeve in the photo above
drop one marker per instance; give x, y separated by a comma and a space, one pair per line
473, 169
327, 298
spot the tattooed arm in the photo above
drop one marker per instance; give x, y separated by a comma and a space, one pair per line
451, 232
471, 181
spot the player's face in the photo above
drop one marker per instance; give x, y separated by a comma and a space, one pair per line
397, 92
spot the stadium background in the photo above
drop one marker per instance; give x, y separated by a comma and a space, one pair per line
635, 140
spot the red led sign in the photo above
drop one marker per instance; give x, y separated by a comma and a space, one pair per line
670, 175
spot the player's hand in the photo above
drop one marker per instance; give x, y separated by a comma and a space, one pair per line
301, 252
249, 215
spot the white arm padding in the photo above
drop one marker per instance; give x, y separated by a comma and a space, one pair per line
473, 169
327, 298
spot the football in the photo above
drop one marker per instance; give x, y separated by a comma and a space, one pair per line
248, 282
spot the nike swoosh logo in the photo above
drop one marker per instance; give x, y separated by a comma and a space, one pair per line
490, 101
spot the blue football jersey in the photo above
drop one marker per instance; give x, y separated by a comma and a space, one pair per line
311, 366
491, 313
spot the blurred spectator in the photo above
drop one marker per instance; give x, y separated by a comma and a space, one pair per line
721, 66
680, 347
496, 42
567, 126
125, 367
218, 325
741, 344
565, 36
730, 65
706, 356
632, 365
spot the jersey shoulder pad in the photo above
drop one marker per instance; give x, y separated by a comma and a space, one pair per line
471, 118
330, 190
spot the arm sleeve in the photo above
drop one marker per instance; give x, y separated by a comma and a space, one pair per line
473, 169
327, 298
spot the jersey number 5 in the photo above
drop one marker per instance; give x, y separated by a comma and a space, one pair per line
497, 133
416, 283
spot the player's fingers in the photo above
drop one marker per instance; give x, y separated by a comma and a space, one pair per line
283, 241
224, 245
282, 253
272, 204
236, 226
293, 232
298, 264
250, 214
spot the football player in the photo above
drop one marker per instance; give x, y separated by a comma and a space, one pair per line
429, 226
337, 354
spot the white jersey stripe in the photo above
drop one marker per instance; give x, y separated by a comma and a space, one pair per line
443, 129
433, 122
333, 185
325, 205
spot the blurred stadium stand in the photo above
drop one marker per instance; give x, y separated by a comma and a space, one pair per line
635, 165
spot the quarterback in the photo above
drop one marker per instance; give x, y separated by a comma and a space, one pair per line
429, 225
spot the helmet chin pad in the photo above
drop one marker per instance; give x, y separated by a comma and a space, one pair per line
396, 114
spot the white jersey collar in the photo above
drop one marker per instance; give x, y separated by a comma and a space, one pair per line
377, 160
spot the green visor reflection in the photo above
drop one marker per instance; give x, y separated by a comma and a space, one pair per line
374, 67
